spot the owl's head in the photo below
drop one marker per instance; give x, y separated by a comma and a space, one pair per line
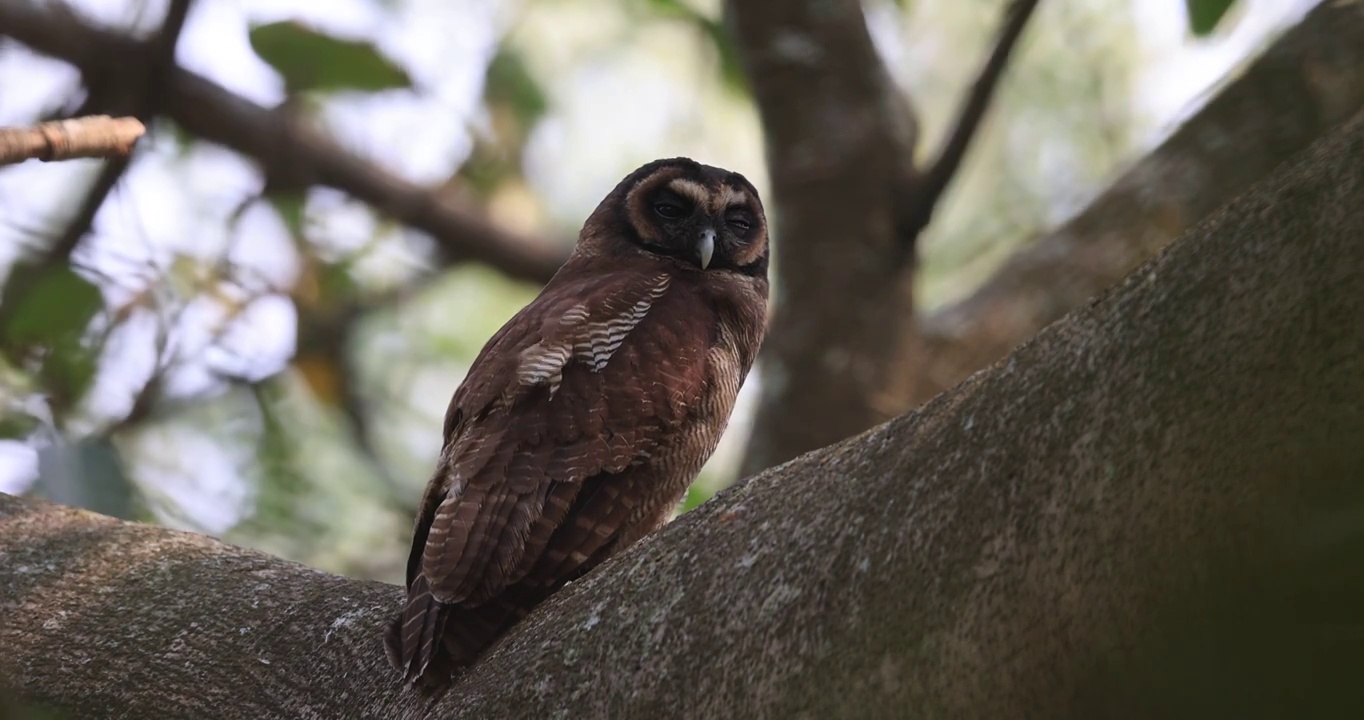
704, 217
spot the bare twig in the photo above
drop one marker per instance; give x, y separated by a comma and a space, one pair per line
929, 188
86, 137
1307, 82
213, 113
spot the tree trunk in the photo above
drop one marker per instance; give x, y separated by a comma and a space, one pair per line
845, 351
1153, 509
840, 145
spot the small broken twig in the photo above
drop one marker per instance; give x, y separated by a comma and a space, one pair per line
94, 136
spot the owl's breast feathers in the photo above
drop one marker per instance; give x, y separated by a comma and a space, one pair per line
576, 431
589, 378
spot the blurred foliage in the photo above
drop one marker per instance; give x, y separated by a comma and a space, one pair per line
1060, 126
311, 61
44, 312
135, 369
1204, 15
15, 425
290, 207
712, 29
514, 102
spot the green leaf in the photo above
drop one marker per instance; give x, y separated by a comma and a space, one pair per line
312, 61
290, 207
16, 425
673, 8
48, 310
1205, 14
43, 305
67, 373
509, 82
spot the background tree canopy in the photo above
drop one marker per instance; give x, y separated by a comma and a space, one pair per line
1064, 345
253, 333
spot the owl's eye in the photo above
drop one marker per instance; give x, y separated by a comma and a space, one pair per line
671, 211
740, 223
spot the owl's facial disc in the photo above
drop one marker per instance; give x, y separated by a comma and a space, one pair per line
708, 218
688, 232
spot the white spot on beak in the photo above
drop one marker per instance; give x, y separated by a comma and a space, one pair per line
706, 248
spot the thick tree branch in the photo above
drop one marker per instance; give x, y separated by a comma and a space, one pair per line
932, 181
1310, 80
287, 148
1150, 510
84, 137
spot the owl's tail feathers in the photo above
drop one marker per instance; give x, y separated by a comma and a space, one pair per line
431, 642
412, 640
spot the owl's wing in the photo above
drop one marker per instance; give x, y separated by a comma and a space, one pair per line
584, 381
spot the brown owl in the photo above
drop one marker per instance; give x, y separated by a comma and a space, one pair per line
585, 418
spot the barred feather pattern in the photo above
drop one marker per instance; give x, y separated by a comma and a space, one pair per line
575, 433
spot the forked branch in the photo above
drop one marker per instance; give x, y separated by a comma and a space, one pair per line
931, 184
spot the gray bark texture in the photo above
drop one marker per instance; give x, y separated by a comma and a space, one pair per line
1155, 508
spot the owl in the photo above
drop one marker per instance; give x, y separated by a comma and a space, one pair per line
584, 419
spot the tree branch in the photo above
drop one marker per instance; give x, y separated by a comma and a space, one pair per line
1309, 81
1150, 510
85, 137
301, 153
932, 182
144, 106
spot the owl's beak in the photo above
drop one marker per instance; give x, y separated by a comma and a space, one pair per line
705, 249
